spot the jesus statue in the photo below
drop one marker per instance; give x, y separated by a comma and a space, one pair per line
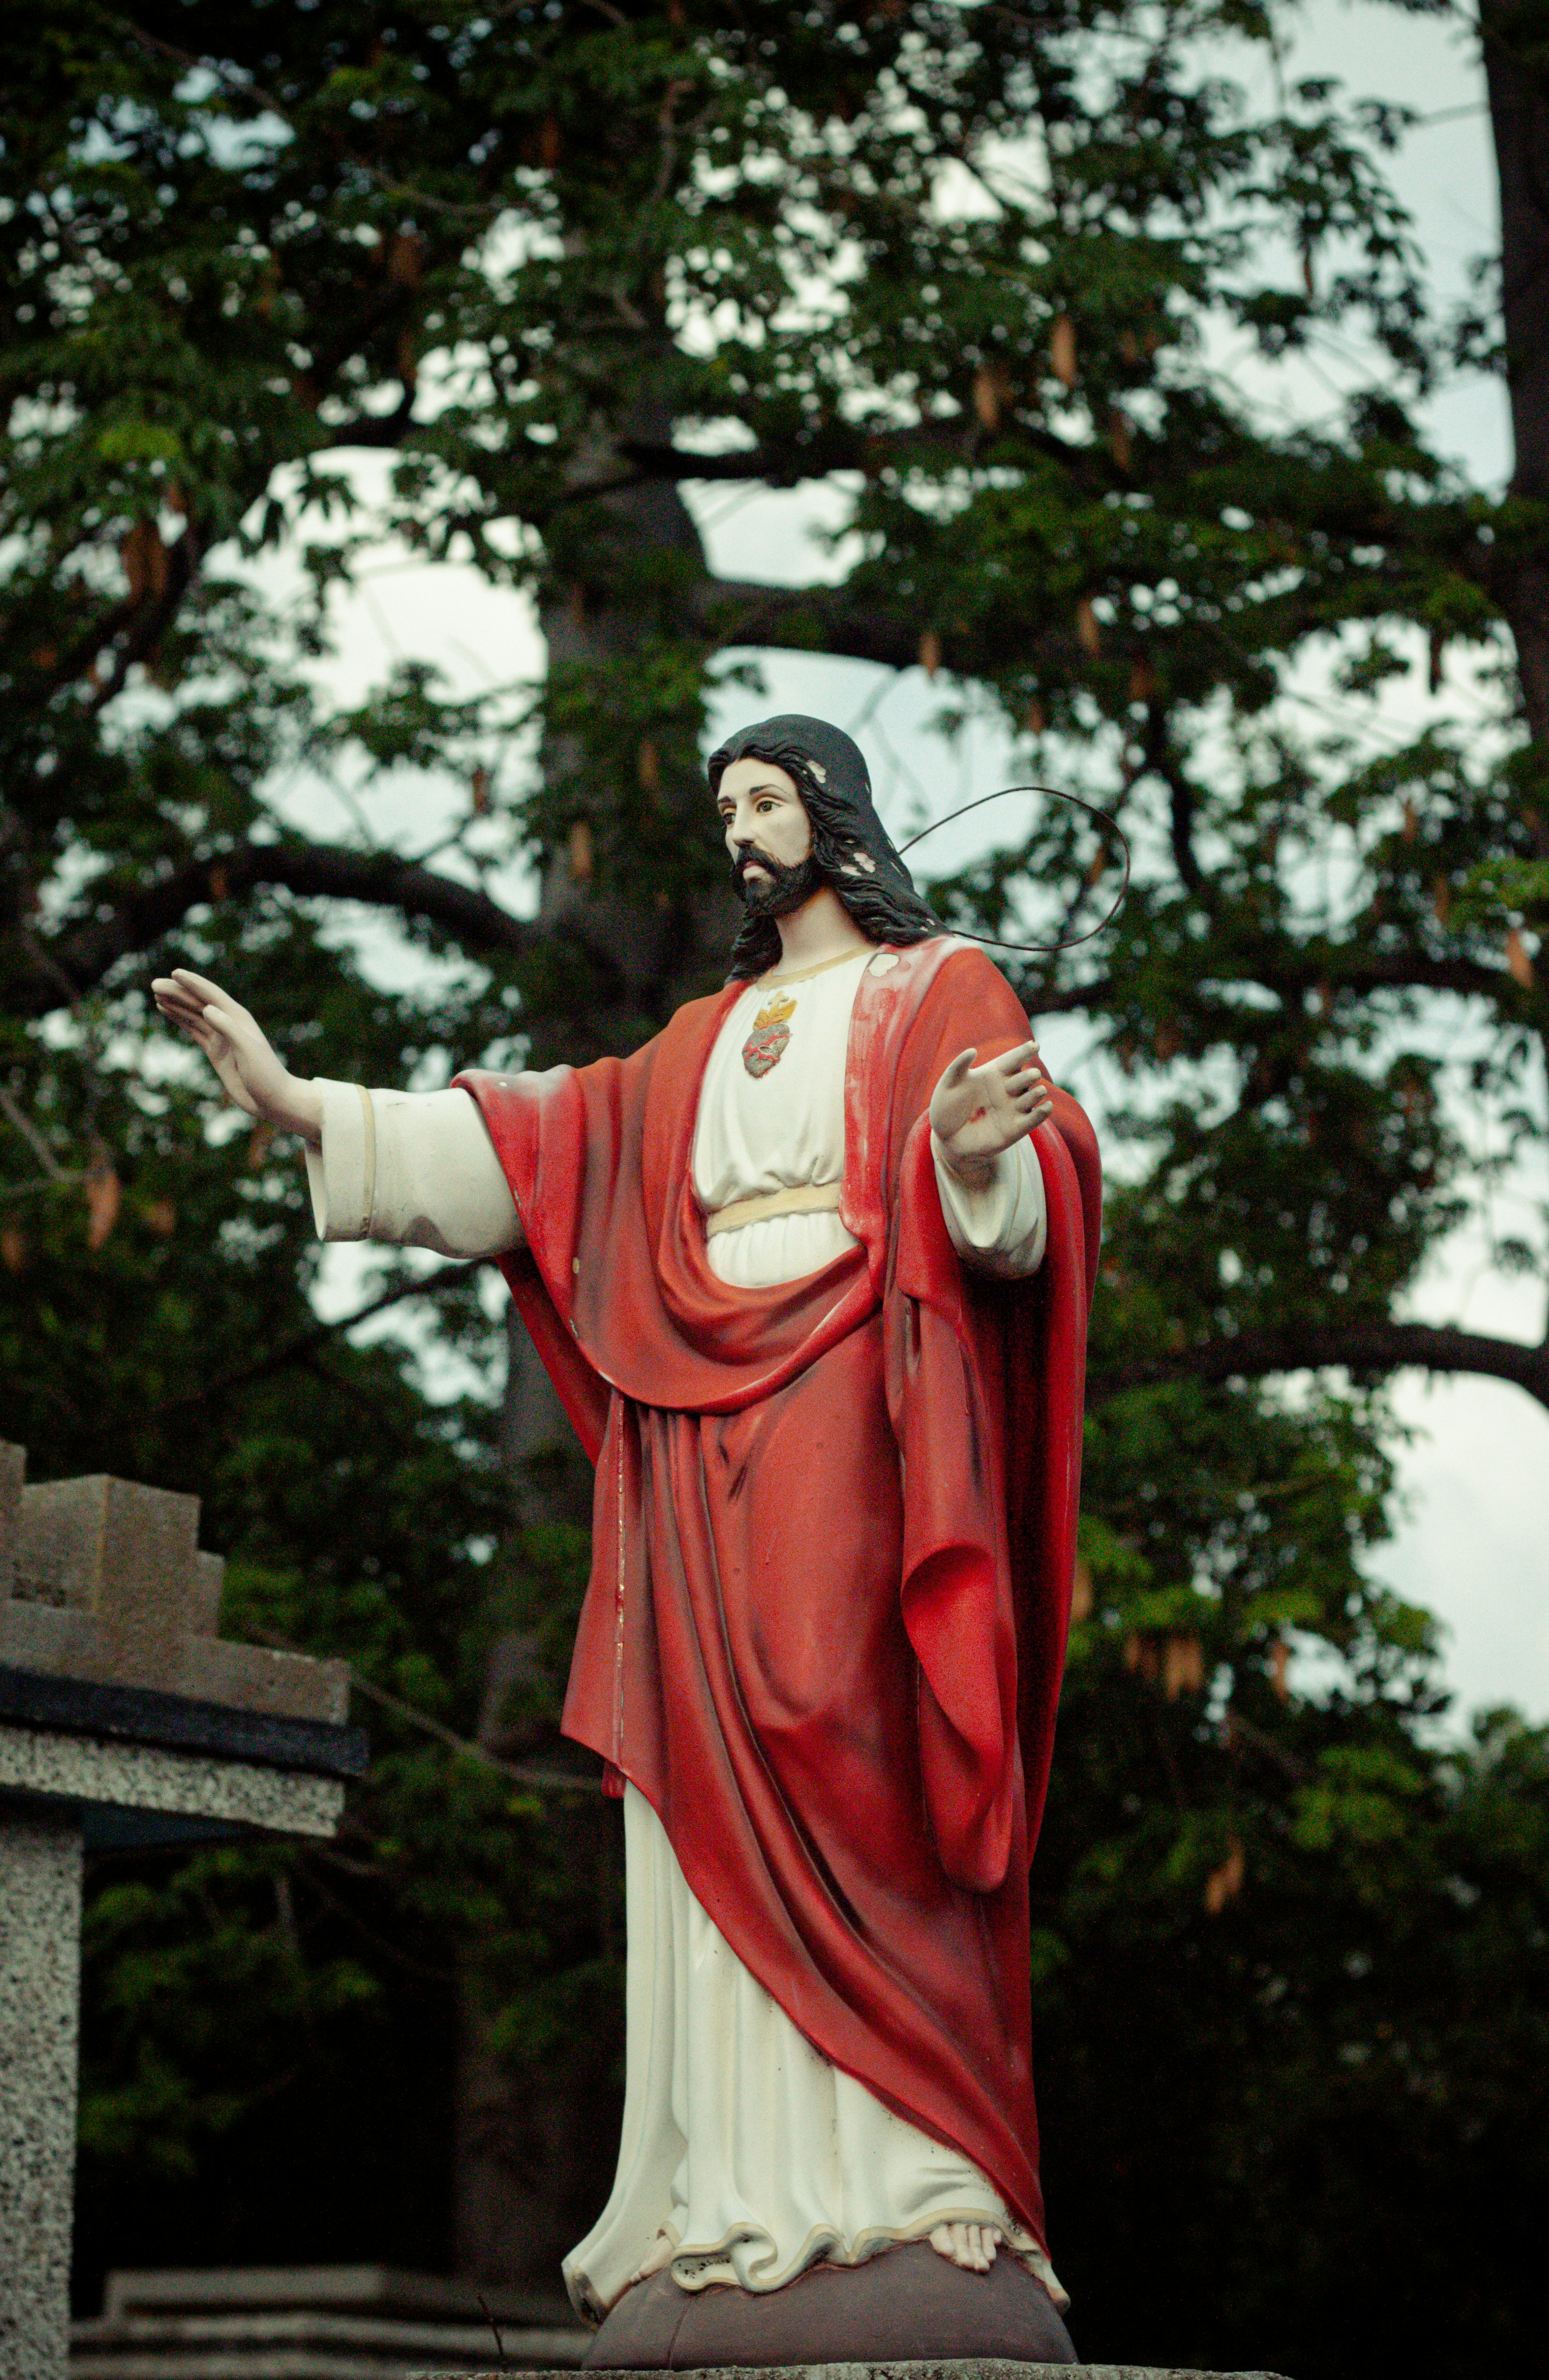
811, 1272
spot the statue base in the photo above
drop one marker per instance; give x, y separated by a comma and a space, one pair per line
906, 2303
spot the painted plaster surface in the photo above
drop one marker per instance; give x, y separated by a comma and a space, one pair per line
40, 1992
143, 1777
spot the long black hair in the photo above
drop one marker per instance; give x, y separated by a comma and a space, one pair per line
850, 845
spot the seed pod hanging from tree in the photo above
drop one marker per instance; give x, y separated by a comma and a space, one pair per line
144, 558
104, 1195
1223, 1883
991, 390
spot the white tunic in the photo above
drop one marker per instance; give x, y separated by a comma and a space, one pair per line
742, 2143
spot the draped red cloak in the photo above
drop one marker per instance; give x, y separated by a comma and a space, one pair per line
833, 1535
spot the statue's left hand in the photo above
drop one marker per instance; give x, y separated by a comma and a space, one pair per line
976, 1112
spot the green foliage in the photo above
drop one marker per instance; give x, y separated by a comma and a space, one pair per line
1284, 2110
274, 284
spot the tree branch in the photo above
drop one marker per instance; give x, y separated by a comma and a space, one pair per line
1361, 972
1162, 762
808, 619
1357, 1347
835, 447
245, 91
75, 961
81, 957
302, 1342
1393, 970
145, 619
23, 1122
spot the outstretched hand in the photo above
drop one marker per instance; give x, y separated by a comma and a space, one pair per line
976, 1112
236, 1046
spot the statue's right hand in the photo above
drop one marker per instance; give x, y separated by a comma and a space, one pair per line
239, 1050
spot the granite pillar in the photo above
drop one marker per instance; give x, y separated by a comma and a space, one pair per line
126, 1721
40, 2006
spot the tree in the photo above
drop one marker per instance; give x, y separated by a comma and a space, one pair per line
972, 267
1517, 78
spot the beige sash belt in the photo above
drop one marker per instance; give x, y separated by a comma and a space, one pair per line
802, 1198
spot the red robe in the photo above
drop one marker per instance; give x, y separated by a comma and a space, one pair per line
834, 1538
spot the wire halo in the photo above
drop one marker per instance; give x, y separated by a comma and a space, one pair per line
1066, 942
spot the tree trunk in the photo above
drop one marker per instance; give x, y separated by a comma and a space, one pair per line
533, 2137
536, 2150
1517, 72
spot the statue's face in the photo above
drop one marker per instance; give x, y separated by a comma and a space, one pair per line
769, 836
761, 812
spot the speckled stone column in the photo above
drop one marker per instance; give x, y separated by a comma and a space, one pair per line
40, 2006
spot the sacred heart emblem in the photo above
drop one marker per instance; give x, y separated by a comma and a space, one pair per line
765, 1045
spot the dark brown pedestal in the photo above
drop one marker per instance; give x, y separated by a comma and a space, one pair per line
906, 2303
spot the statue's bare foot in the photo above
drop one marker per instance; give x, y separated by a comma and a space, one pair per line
972, 2245
657, 2257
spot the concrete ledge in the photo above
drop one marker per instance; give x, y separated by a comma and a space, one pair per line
80, 1771
72, 1644
385, 2291
104, 1581
969, 2370
299, 2346
71, 1705
329, 2322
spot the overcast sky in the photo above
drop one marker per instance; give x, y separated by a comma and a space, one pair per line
1473, 1546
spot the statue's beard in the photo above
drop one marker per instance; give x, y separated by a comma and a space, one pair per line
783, 889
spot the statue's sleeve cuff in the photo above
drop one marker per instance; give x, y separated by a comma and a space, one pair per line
1002, 1228
338, 1175
417, 1169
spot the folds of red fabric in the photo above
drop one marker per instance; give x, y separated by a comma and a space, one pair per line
834, 1539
